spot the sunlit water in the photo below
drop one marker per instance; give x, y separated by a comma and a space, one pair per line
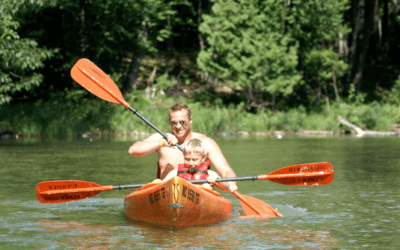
359, 209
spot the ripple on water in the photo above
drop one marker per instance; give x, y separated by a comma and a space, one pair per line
101, 223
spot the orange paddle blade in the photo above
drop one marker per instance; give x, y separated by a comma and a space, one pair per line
65, 191
253, 206
97, 82
320, 173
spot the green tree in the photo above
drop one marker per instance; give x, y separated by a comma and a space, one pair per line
270, 48
248, 43
20, 58
166, 26
323, 67
319, 29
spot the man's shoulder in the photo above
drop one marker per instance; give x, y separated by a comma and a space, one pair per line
201, 136
208, 142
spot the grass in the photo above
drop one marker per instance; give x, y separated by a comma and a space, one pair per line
72, 118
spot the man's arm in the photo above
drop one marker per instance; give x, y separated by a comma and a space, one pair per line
218, 160
151, 144
146, 146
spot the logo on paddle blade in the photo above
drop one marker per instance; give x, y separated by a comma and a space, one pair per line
65, 186
306, 169
61, 197
97, 72
307, 180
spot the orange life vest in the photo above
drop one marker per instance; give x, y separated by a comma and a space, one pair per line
197, 173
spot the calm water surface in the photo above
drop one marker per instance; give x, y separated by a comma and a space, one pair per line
359, 209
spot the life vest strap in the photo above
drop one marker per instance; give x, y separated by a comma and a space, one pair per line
193, 170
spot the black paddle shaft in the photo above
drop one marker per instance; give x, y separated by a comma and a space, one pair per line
152, 125
248, 178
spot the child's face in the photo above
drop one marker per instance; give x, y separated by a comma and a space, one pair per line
193, 159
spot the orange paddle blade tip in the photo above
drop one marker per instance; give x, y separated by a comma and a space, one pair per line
255, 217
265, 209
256, 207
308, 174
64, 191
92, 78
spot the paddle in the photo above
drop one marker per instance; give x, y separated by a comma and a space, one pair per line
307, 174
298, 175
92, 78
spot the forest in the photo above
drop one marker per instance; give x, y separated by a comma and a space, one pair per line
241, 65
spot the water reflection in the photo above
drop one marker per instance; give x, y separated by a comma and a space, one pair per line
240, 234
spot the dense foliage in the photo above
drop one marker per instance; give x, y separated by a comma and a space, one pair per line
20, 58
251, 44
251, 65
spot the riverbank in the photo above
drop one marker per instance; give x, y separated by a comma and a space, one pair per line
136, 135
92, 117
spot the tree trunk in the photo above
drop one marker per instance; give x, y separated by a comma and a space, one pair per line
357, 26
199, 20
343, 49
363, 21
326, 95
171, 50
360, 133
335, 86
82, 33
368, 26
136, 59
389, 19
203, 75
150, 89
385, 20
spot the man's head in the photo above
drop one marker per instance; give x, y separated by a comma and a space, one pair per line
180, 107
194, 153
180, 120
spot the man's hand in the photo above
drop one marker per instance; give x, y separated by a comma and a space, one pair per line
170, 141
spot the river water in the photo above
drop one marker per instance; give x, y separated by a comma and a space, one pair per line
359, 209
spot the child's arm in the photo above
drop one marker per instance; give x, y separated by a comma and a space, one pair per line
212, 176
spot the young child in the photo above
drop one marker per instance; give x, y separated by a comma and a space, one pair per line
195, 166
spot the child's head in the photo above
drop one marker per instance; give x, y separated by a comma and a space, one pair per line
193, 152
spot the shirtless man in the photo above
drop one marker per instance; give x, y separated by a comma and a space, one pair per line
169, 156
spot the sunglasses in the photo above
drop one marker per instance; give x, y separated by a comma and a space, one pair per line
182, 122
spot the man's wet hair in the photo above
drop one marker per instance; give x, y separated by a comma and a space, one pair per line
179, 107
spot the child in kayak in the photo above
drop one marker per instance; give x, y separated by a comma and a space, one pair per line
195, 167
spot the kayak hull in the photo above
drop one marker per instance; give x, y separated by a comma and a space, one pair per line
176, 203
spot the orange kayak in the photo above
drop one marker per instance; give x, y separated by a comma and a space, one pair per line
177, 203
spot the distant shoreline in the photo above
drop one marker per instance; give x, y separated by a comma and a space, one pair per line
239, 134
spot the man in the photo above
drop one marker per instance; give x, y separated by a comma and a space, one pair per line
169, 156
